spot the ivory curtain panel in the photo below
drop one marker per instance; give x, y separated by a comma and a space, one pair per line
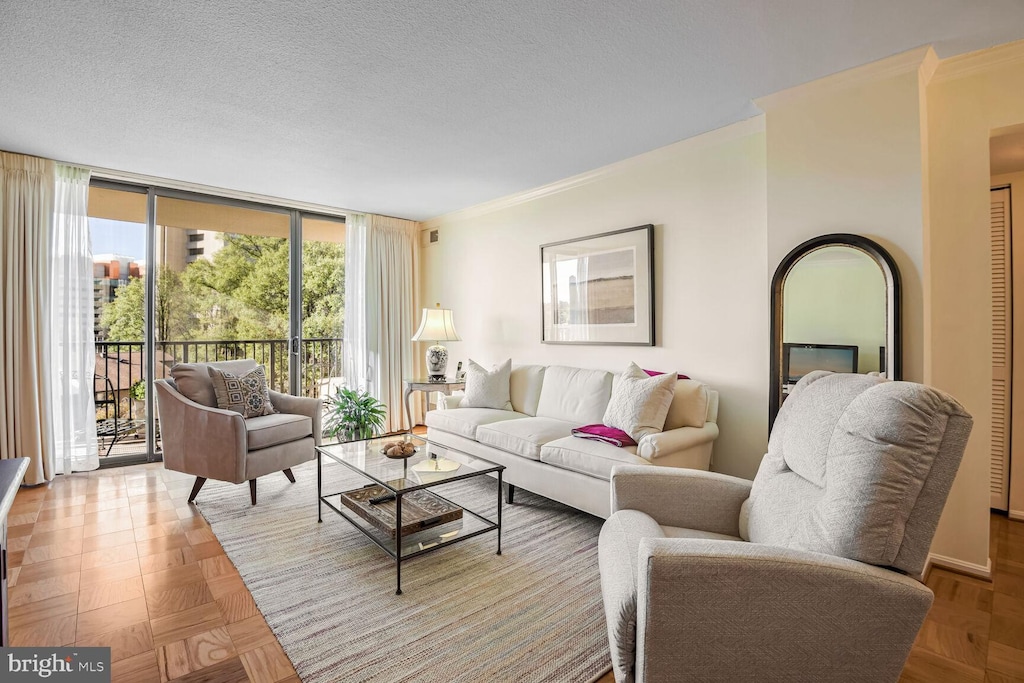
382, 267
26, 221
72, 340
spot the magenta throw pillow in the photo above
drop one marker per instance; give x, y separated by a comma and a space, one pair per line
615, 437
655, 373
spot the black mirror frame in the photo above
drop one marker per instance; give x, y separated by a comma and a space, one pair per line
894, 335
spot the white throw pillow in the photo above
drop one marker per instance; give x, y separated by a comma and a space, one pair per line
488, 388
640, 403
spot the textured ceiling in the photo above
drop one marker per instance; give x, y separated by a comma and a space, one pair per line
415, 109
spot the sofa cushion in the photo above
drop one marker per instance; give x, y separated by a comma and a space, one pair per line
464, 421
689, 407
488, 388
593, 458
270, 430
639, 402
523, 437
525, 384
618, 557
192, 380
574, 394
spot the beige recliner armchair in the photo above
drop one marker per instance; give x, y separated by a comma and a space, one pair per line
808, 573
203, 440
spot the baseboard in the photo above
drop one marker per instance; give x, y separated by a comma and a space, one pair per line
1016, 515
958, 566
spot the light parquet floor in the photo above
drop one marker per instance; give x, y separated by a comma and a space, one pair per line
118, 558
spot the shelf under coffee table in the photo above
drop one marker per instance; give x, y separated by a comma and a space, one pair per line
436, 521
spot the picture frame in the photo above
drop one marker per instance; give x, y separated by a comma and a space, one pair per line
599, 289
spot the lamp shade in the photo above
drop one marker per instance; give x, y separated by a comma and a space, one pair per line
436, 325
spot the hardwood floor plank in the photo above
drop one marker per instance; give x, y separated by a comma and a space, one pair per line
142, 668
228, 671
187, 623
173, 577
172, 660
44, 589
1006, 660
110, 593
108, 540
49, 569
209, 648
111, 618
267, 664
106, 556
123, 643
237, 606
249, 634
111, 572
178, 599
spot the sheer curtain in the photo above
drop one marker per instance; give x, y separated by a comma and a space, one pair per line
356, 347
381, 271
392, 263
72, 344
26, 219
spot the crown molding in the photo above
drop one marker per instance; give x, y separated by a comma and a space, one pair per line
184, 186
889, 67
971, 63
718, 136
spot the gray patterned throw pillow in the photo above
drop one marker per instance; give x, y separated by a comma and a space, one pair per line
247, 394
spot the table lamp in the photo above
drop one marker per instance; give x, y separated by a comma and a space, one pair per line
437, 326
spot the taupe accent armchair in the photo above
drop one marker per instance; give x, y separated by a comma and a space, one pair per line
809, 572
209, 443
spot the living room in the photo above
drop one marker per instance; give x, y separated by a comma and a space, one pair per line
482, 136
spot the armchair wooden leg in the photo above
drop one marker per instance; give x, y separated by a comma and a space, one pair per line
252, 490
510, 493
195, 488
288, 473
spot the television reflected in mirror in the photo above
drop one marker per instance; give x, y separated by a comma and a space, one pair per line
800, 359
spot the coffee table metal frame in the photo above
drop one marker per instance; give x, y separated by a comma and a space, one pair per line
375, 536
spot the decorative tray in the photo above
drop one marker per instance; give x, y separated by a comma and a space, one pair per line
420, 509
387, 450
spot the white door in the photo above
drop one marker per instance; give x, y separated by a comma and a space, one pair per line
1002, 307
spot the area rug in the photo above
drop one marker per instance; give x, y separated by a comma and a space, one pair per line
534, 613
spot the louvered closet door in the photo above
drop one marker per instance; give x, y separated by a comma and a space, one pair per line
1001, 348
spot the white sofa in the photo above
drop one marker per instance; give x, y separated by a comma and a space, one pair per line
535, 444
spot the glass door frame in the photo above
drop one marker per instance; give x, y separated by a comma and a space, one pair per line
295, 217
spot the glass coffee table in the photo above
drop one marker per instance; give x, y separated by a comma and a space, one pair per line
398, 509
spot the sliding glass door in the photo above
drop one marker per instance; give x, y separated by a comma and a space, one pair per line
228, 280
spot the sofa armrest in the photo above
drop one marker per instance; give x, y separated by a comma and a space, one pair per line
199, 440
672, 441
734, 611
300, 405
449, 402
692, 499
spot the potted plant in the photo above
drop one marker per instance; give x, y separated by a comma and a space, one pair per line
350, 415
137, 394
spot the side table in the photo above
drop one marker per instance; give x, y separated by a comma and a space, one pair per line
446, 387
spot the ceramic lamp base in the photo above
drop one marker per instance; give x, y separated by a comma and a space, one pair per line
437, 363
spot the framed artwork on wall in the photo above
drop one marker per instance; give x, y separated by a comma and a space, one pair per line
599, 289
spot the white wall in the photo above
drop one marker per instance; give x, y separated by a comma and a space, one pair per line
848, 159
706, 198
968, 99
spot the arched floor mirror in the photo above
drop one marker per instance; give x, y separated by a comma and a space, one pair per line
835, 306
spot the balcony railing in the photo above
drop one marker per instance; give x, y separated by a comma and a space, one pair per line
120, 373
